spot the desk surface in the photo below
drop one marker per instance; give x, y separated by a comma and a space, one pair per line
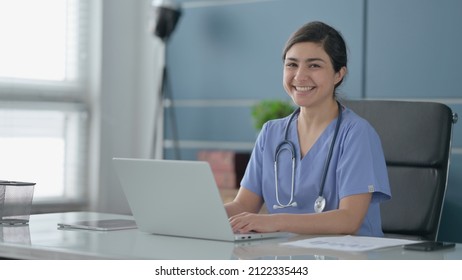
41, 239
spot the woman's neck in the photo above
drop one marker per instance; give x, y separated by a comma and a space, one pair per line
312, 122
319, 116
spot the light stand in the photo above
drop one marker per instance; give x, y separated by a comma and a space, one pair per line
167, 15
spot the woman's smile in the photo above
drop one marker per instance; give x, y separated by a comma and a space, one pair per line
303, 88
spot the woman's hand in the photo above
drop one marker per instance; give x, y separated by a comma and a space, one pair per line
247, 222
345, 220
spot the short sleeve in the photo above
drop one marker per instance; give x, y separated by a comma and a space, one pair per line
252, 179
361, 166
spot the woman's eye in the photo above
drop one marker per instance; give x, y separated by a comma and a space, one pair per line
314, 66
291, 65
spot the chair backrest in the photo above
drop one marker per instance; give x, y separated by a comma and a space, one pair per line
416, 139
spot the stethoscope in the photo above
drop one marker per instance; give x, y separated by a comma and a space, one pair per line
320, 202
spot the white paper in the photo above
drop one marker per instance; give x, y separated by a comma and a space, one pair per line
350, 243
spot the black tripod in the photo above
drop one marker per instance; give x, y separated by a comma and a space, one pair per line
165, 97
166, 19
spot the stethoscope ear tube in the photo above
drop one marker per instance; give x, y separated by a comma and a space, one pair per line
291, 203
318, 206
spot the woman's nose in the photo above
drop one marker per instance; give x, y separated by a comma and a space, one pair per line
301, 74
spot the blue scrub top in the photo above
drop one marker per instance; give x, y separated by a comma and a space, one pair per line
357, 166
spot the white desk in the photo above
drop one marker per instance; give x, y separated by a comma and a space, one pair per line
42, 240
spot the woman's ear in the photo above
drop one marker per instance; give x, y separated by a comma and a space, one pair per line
340, 75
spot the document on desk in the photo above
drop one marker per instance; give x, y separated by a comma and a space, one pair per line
349, 243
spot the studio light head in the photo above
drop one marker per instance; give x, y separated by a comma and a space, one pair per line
166, 15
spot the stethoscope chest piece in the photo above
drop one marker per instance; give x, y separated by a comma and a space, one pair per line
319, 204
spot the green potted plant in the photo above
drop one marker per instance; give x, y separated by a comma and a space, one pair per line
270, 109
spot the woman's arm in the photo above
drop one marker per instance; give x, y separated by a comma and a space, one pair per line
245, 201
345, 220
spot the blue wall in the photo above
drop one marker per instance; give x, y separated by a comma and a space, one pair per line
224, 58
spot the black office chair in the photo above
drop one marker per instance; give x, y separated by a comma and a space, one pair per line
416, 139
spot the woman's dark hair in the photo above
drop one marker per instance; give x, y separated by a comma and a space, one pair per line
329, 38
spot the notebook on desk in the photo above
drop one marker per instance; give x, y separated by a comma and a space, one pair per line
177, 198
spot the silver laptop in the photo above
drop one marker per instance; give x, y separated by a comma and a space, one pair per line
177, 198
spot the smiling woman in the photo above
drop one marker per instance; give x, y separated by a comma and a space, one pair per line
320, 170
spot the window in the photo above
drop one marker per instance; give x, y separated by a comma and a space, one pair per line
43, 93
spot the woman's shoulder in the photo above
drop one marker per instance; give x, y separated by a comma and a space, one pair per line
271, 130
354, 123
354, 120
277, 124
